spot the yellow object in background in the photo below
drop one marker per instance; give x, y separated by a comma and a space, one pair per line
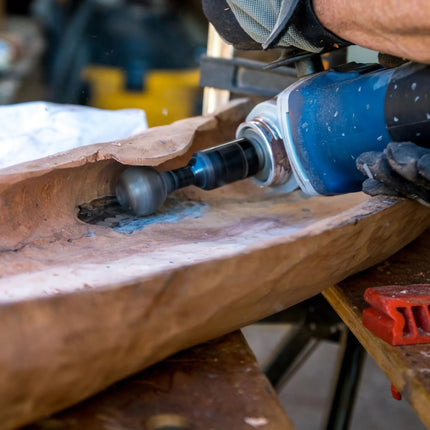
167, 95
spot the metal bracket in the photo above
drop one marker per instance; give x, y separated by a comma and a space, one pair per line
242, 76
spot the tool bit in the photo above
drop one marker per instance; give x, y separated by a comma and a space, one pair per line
144, 189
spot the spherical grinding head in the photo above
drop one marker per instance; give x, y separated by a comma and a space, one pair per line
141, 190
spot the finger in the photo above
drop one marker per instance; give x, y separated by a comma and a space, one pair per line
374, 188
377, 167
403, 158
366, 162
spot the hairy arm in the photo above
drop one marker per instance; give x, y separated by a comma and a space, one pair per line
397, 27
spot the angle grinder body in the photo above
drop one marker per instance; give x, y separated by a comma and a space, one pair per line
308, 136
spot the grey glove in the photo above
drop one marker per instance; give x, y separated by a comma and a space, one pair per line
283, 23
403, 169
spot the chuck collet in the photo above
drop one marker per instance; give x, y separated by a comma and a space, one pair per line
144, 189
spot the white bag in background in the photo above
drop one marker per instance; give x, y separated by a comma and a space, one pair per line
33, 130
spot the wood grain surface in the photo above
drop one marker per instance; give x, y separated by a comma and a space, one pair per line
85, 305
216, 385
408, 366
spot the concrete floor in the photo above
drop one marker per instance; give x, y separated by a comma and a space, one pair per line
305, 396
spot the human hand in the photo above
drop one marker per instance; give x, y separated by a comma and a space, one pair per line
403, 169
266, 24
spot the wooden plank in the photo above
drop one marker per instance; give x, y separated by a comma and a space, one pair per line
217, 385
408, 367
85, 305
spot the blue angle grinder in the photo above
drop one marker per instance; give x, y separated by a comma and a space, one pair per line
308, 136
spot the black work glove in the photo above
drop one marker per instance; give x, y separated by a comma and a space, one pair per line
403, 169
252, 24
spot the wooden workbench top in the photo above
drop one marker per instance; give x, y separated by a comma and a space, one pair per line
407, 367
217, 385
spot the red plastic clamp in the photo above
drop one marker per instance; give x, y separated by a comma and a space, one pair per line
395, 393
399, 314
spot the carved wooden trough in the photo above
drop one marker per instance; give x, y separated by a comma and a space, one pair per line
85, 304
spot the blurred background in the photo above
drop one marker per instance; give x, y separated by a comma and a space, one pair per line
109, 54
113, 54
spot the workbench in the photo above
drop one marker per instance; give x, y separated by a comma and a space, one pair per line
215, 385
407, 367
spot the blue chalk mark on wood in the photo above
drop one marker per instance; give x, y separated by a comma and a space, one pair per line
173, 210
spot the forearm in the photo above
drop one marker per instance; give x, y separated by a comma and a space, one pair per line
396, 27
